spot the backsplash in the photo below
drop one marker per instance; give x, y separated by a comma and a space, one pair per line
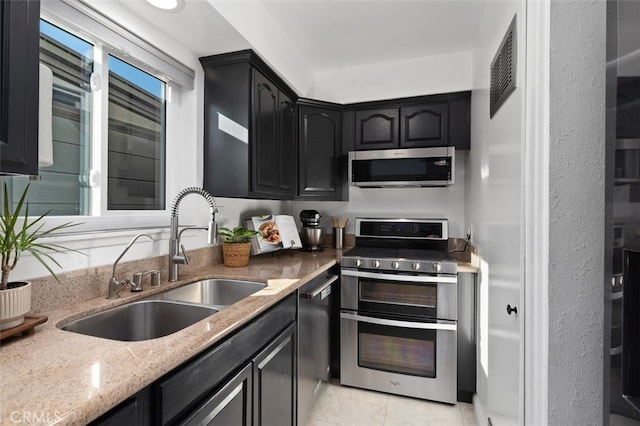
86, 284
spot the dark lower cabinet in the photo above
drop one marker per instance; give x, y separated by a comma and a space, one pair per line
19, 74
248, 379
274, 381
132, 411
231, 405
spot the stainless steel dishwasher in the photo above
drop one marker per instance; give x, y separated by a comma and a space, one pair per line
313, 341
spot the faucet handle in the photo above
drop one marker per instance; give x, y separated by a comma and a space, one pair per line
184, 255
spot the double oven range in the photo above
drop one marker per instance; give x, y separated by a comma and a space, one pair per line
398, 309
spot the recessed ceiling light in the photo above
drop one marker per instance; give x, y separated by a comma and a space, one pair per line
167, 4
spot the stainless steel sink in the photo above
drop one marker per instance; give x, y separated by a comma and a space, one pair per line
213, 292
142, 320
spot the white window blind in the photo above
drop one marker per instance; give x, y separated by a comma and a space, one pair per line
85, 20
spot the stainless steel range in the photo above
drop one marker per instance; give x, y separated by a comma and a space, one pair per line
398, 316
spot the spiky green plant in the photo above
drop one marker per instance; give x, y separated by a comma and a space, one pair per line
19, 236
237, 235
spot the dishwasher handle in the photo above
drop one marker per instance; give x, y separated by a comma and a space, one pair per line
320, 289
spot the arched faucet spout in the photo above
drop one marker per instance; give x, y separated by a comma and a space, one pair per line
175, 258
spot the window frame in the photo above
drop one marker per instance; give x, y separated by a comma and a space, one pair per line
100, 218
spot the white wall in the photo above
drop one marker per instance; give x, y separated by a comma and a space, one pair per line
577, 207
419, 76
256, 25
493, 210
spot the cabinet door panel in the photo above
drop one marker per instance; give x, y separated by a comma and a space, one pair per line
264, 134
274, 379
320, 152
124, 414
229, 406
287, 150
425, 125
460, 124
19, 75
377, 129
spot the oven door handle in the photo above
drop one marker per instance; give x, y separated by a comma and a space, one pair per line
441, 325
393, 277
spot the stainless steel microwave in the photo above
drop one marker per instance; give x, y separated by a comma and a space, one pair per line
402, 167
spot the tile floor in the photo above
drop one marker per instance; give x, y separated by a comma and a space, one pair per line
345, 406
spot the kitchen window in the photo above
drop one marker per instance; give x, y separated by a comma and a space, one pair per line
112, 111
135, 143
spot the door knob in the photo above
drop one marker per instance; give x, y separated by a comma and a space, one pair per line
511, 309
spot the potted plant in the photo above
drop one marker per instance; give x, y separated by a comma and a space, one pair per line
16, 237
236, 246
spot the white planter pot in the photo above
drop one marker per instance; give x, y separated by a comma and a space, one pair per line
14, 304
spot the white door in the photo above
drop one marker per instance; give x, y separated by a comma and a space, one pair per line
494, 212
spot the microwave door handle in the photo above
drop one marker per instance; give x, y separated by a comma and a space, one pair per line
448, 326
408, 278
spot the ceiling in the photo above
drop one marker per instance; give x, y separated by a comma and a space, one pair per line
331, 34
335, 34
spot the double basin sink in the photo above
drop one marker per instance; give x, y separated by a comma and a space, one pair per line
165, 313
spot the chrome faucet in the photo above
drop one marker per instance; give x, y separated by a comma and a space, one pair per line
175, 258
114, 285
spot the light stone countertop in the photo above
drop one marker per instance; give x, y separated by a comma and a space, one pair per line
59, 377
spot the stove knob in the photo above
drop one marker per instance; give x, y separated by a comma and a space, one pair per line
358, 262
415, 266
436, 266
395, 264
375, 263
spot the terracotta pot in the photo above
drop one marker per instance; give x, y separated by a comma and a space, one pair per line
15, 302
236, 254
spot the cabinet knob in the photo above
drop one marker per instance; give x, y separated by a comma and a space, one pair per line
513, 309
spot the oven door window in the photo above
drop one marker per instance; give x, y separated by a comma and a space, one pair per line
397, 350
398, 297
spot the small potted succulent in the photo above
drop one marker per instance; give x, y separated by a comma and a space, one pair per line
236, 246
17, 237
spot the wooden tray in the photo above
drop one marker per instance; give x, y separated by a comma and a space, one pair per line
26, 328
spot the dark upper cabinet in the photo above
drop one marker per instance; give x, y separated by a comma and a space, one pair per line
320, 159
417, 122
377, 129
250, 129
288, 145
19, 62
424, 125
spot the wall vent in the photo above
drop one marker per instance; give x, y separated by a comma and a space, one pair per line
503, 70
